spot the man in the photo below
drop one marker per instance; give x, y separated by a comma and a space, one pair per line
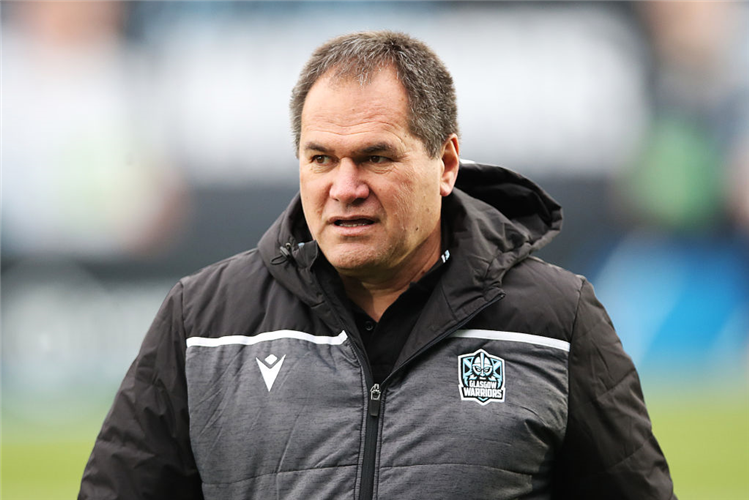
390, 337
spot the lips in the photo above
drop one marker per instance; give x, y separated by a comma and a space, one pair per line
353, 222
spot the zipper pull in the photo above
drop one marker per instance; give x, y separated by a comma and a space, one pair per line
374, 400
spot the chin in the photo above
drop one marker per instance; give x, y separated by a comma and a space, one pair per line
352, 263
352, 266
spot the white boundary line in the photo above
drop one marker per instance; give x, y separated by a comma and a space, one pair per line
513, 337
265, 337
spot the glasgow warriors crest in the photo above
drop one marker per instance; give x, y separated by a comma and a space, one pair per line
481, 377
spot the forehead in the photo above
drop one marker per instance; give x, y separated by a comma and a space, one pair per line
344, 107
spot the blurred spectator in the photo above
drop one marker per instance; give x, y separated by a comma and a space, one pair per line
695, 153
81, 175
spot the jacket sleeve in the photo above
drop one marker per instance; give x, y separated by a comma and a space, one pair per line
609, 450
143, 449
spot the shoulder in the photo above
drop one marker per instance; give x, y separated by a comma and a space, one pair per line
236, 271
219, 298
540, 299
550, 281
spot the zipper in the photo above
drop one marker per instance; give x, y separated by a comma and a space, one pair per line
366, 489
375, 401
370, 444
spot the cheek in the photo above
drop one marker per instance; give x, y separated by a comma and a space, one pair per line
312, 193
415, 208
399, 204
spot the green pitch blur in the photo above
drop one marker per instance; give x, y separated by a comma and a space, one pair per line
705, 437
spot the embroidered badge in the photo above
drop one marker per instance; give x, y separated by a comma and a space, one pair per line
481, 377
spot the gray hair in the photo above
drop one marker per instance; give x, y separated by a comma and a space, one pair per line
429, 86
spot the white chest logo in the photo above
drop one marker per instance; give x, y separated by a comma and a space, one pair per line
269, 368
481, 377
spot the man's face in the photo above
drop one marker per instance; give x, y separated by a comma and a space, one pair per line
370, 192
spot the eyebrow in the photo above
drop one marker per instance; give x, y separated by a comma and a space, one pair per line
376, 148
314, 146
380, 147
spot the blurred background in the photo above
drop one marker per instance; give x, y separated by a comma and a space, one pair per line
142, 141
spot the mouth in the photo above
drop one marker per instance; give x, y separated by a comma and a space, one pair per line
356, 222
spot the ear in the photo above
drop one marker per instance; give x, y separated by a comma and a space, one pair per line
450, 164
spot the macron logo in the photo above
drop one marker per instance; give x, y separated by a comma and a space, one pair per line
269, 369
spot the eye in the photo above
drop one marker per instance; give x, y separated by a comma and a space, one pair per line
378, 159
321, 159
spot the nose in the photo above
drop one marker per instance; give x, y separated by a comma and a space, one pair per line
348, 185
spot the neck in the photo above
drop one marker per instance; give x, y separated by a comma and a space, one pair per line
376, 292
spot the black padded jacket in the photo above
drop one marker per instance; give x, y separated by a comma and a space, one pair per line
251, 383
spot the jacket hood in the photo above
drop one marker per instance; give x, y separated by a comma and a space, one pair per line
495, 218
513, 215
